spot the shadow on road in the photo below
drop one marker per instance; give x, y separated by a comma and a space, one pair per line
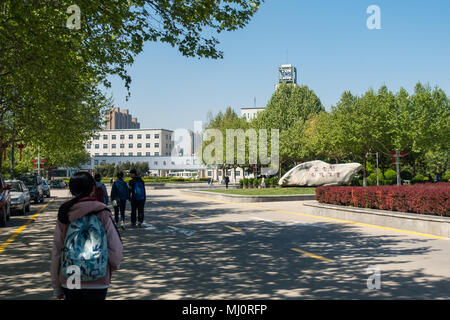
218, 263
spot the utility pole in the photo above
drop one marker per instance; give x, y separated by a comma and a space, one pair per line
39, 160
397, 166
12, 152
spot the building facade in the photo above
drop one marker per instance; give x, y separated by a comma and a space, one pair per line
250, 113
131, 142
120, 119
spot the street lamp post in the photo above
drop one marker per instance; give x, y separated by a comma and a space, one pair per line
376, 153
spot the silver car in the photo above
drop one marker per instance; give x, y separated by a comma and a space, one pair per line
20, 196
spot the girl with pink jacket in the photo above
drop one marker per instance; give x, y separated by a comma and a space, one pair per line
82, 186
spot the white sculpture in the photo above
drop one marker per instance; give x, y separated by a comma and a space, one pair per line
319, 173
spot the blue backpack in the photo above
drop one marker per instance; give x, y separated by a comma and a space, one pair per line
139, 192
86, 246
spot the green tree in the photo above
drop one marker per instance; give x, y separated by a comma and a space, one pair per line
288, 109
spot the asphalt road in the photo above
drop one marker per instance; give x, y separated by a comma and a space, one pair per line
195, 248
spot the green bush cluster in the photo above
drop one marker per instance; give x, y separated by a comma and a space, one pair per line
253, 182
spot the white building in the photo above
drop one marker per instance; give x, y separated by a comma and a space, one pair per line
250, 113
131, 142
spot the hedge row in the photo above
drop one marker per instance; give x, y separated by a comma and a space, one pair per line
428, 198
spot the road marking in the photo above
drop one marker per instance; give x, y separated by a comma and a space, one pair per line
323, 218
312, 255
18, 231
194, 215
154, 202
234, 229
171, 208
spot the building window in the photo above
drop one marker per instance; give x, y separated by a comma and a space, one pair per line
147, 136
156, 136
105, 146
130, 136
130, 153
113, 146
88, 146
96, 138
209, 173
122, 154
122, 136
103, 162
156, 163
164, 163
122, 146
147, 145
97, 146
147, 154
220, 173
105, 154
96, 162
105, 137
139, 154
167, 146
113, 137
113, 154
156, 145
139, 145
130, 145
157, 154
238, 173
139, 136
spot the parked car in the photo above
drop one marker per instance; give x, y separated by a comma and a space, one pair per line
5, 212
20, 196
34, 185
57, 184
46, 188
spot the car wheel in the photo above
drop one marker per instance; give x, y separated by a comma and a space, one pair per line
28, 207
3, 219
8, 216
42, 199
36, 200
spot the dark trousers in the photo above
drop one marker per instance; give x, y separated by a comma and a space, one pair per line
139, 206
84, 294
121, 207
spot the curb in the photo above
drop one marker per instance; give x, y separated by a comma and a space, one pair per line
248, 199
425, 224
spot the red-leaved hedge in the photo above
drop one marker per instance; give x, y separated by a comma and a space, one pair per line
428, 198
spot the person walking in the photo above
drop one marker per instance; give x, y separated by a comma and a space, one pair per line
137, 198
119, 197
227, 181
100, 191
263, 182
85, 229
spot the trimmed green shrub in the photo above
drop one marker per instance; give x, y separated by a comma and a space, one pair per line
390, 176
418, 179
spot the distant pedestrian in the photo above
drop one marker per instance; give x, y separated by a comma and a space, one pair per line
100, 190
119, 197
227, 181
263, 183
86, 238
137, 198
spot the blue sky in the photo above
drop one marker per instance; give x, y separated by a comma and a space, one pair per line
327, 40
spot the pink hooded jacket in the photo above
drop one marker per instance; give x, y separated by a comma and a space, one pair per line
115, 246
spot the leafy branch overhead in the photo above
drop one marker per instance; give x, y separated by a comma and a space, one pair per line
50, 74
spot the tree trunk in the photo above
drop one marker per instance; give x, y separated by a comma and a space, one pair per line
365, 171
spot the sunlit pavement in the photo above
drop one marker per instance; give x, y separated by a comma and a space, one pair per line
195, 248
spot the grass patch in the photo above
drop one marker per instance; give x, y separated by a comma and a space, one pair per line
266, 191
